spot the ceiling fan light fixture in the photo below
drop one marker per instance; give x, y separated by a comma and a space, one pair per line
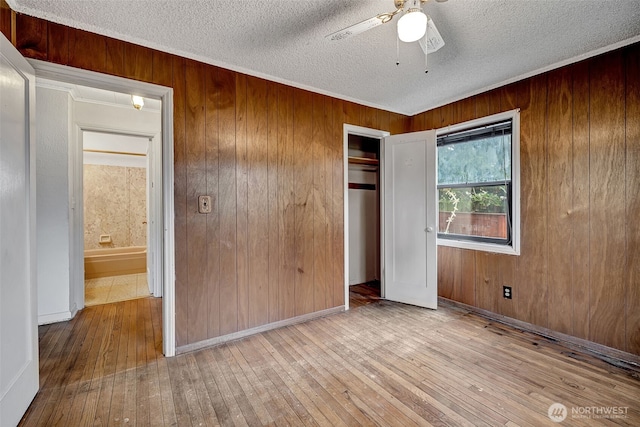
412, 25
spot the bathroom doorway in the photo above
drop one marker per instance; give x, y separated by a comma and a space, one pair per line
116, 217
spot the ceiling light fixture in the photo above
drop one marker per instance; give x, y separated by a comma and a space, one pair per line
412, 25
137, 101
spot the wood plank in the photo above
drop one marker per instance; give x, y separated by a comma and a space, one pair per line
162, 73
242, 207
465, 291
607, 200
322, 296
304, 203
560, 203
212, 140
196, 173
448, 270
337, 199
5, 19
464, 110
180, 200
137, 61
273, 178
32, 37
286, 204
632, 180
58, 43
226, 88
258, 202
115, 56
530, 296
87, 50
581, 201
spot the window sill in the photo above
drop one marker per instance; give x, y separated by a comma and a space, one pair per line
479, 246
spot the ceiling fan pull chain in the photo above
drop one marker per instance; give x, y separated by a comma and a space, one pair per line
426, 41
397, 49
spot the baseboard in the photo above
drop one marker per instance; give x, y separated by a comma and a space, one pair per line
613, 356
62, 316
247, 332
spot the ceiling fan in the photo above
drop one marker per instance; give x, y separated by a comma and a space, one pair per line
413, 25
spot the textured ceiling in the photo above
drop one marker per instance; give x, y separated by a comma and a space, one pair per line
488, 42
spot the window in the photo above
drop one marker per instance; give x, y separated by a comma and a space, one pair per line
478, 184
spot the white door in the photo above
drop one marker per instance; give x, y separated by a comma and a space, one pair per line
18, 311
410, 219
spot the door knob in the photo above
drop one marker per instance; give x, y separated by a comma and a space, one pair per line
428, 229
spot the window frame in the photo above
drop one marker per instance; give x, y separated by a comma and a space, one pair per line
512, 247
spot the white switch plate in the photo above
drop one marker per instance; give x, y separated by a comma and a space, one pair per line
204, 204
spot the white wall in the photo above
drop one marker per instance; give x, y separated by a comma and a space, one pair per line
364, 244
53, 115
59, 196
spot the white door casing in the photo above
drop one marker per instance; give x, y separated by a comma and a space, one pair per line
18, 303
165, 258
410, 219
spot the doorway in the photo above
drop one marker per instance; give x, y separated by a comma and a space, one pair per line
116, 186
363, 153
364, 219
160, 200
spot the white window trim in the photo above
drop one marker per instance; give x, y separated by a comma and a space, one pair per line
514, 247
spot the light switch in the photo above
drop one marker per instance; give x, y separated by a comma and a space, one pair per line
204, 204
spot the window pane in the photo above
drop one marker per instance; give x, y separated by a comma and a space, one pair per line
486, 159
479, 212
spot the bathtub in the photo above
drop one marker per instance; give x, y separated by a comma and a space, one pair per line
114, 261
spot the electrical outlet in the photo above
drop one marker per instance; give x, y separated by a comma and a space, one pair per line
506, 292
204, 204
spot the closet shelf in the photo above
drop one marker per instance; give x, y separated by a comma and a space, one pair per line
362, 160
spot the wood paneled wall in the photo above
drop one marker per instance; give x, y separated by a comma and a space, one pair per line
579, 268
271, 158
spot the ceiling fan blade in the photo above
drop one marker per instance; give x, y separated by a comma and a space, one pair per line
355, 29
434, 39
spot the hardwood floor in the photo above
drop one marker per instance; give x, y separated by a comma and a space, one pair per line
378, 364
364, 293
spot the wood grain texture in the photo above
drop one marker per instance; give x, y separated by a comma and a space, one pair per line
87, 50
115, 57
258, 202
5, 19
136, 66
212, 158
58, 44
581, 181
273, 195
379, 364
196, 175
337, 195
531, 266
286, 204
304, 203
560, 202
632, 181
322, 297
32, 43
607, 200
180, 200
226, 95
242, 207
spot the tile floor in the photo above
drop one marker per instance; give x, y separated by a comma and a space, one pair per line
117, 288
